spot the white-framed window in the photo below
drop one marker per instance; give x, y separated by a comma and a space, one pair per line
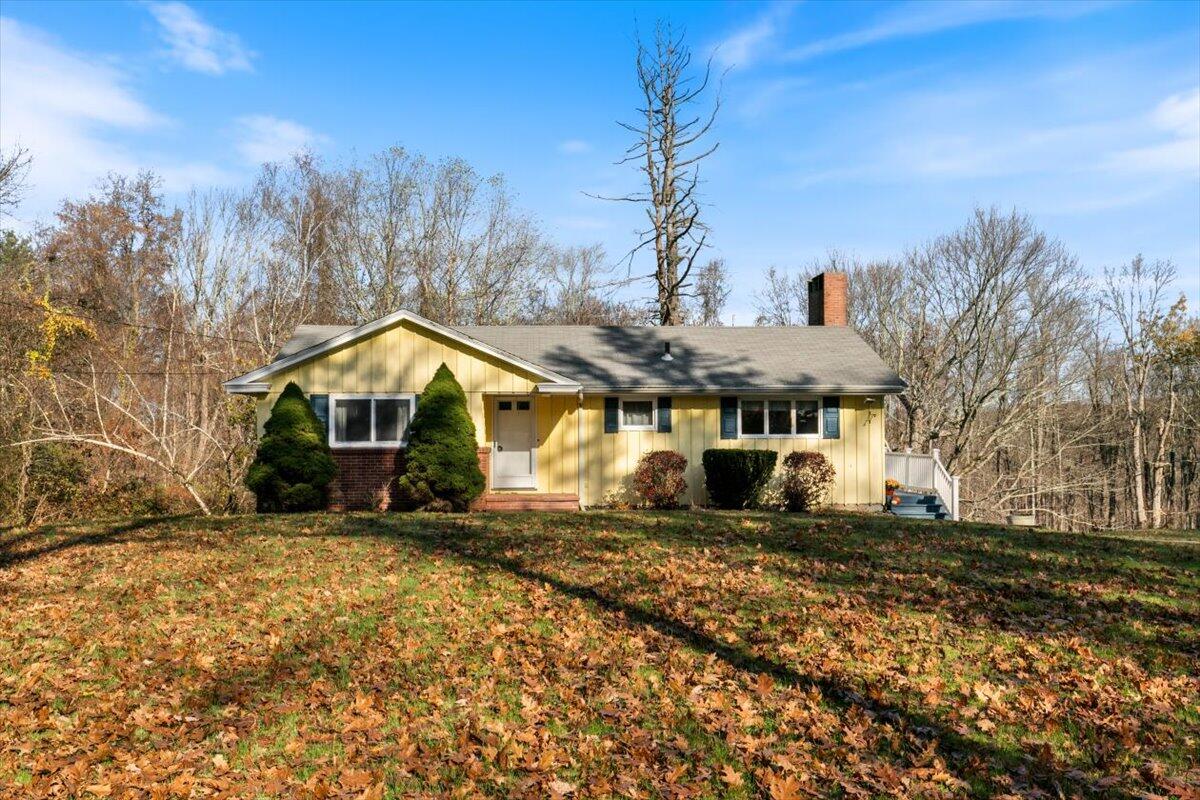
638, 414
779, 417
370, 420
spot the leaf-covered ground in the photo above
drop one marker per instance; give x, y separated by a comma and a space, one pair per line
598, 654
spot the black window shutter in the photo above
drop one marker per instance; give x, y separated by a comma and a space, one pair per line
320, 407
833, 417
611, 409
729, 408
664, 415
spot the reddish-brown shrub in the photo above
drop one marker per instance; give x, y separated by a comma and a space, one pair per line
659, 480
807, 479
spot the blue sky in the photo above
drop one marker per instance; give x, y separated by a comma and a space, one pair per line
866, 128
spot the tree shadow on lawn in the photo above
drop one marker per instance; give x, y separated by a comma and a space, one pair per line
1034, 588
534, 547
473, 545
34, 544
1030, 584
1027, 584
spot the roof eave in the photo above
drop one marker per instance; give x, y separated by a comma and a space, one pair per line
777, 389
237, 386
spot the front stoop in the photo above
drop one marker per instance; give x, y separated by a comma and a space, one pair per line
525, 501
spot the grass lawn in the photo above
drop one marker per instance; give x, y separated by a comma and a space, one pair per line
683, 654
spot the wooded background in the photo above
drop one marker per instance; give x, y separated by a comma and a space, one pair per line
1045, 389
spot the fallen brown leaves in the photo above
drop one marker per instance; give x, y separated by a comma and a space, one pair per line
635, 655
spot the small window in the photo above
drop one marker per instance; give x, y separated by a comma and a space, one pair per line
808, 419
779, 418
637, 415
370, 421
522, 405
505, 405
352, 421
391, 419
753, 419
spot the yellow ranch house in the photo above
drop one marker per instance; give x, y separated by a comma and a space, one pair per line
563, 413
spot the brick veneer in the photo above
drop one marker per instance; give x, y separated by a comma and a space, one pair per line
363, 472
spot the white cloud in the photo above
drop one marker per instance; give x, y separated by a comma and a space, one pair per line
748, 44
923, 18
574, 147
263, 138
71, 109
195, 44
1178, 117
1180, 113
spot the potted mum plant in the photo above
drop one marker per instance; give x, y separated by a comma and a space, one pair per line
890, 486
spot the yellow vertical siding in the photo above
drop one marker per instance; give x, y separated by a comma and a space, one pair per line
695, 427
402, 359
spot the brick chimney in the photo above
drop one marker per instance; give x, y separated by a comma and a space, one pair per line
827, 299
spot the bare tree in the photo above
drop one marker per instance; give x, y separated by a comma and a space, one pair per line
670, 144
14, 172
1152, 353
712, 292
576, 288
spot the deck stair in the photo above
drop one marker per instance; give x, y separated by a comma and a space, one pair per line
916, 505
927, 489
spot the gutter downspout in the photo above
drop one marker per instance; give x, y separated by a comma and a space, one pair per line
579, 452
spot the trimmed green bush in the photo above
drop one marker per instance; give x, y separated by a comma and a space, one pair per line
735, 478
293, 467
442, 470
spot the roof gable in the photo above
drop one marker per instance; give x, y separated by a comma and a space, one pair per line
339, 336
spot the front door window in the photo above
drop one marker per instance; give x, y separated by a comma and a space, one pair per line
514, 452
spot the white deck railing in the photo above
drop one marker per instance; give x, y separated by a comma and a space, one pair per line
924, 472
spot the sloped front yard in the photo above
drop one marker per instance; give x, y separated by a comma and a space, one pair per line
622, 654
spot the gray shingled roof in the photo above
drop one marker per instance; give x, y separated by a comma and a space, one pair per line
617, 358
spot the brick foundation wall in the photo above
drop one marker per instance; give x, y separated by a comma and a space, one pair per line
363, 472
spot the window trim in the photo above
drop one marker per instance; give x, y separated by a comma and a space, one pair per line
373, 443
653, 401
792, 400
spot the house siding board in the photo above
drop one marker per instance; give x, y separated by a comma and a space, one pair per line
611, 458
400, 359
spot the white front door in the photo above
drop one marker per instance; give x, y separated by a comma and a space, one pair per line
514, 452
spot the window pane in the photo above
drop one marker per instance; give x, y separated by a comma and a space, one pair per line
505, 405
806, 416
522, 405
391, 418
779, 418
352, 420
753, 423
638, 412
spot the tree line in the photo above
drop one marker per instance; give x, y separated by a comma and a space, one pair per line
1044, 390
